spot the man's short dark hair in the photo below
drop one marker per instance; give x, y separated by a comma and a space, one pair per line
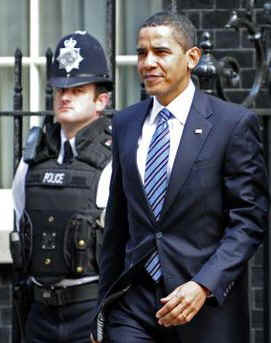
99, 89
184, 31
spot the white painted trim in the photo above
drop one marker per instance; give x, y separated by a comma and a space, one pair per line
34, 91
6, 61
6, 225
126, 60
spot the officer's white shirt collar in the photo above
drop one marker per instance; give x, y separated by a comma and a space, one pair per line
103, 185
61, 151
183, 101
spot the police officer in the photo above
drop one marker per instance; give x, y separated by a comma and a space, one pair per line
60, 194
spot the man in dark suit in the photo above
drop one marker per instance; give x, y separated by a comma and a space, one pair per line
187, 206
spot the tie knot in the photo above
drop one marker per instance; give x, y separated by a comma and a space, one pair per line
165, 115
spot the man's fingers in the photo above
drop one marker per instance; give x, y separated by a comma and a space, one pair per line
182, 304
181, 314
168, 307
185, 316
173, 315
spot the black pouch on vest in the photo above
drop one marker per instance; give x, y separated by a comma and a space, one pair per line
80, 245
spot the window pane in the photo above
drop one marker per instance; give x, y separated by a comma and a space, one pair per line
67, 16
6, 123
128, 24
14, 24
128, 87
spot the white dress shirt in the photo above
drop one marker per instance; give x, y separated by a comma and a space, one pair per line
180, 108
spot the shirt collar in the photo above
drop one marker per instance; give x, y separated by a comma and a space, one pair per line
72, 142
179, 107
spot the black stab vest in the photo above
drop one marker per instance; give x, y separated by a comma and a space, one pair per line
61, 238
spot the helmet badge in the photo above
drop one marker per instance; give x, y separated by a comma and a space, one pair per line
69, 57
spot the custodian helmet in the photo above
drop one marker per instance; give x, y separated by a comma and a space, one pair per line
79, 59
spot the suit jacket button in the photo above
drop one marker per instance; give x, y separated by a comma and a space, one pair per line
159, 235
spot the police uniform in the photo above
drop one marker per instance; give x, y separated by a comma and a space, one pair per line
59, 206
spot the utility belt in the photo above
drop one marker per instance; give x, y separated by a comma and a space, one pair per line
60, 296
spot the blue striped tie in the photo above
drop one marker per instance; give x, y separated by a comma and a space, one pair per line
156, 180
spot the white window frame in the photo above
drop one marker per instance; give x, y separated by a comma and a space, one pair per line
34, 62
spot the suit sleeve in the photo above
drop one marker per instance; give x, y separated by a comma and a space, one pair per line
245, 198
116, 225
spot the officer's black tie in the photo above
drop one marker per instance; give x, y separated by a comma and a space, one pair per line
68, 154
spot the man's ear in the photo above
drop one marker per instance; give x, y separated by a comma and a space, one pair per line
193, 57
102, 101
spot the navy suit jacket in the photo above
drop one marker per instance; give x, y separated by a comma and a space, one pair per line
213, 219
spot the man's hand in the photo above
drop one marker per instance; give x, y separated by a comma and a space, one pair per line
182, 304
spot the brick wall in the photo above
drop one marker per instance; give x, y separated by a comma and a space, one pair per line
256, 283
212, 16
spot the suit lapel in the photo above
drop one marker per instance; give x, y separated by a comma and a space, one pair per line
195, 133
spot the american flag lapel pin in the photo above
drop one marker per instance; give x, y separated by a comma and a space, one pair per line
198, 131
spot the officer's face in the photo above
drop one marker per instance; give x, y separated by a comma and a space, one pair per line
77, 107
163, 64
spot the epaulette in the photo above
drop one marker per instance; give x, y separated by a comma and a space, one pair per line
32, 144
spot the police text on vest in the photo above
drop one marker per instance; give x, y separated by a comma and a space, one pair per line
53, 178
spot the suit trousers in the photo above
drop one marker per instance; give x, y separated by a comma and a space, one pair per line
68, 323
132, 318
